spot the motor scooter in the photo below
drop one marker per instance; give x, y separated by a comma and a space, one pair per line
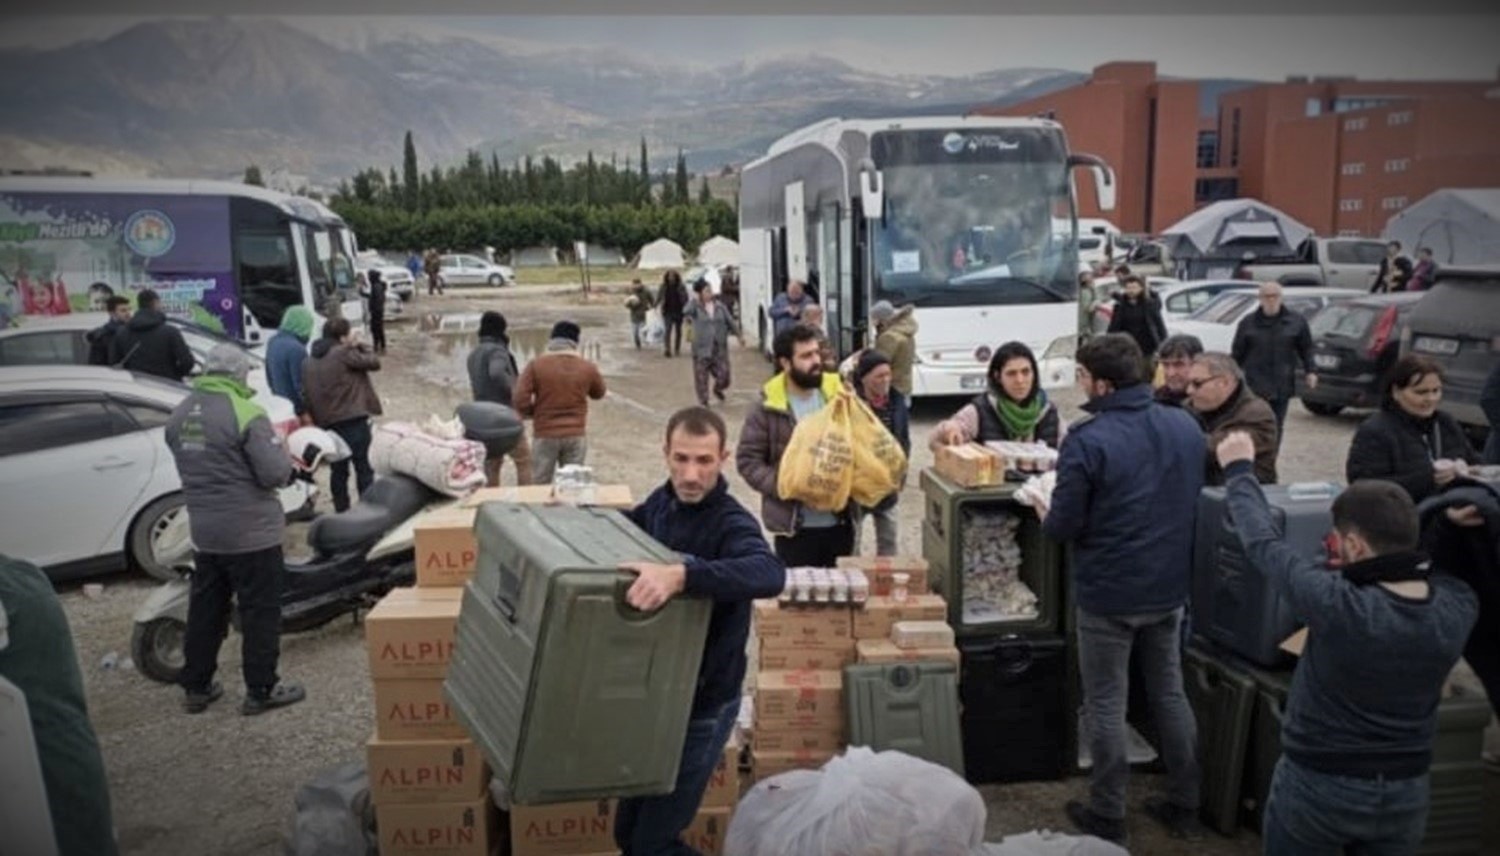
358, 556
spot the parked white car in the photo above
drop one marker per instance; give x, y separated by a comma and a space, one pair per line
397, 278
87, 483
464, 269
1215, 322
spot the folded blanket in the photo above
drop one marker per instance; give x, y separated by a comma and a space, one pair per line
452, 466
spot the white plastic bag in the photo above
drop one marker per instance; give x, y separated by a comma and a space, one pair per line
863, 803
656, 328
1048, 843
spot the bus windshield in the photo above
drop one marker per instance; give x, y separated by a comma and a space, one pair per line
977, 226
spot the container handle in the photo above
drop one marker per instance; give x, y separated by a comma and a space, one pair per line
509, 594
623, 582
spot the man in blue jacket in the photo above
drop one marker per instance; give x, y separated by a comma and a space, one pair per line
1128, 477
726, 559
285, 354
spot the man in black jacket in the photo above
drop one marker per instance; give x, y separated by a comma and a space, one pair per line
1268, 345
492, 378
725, 559
149, 344
102, 337
1395, 270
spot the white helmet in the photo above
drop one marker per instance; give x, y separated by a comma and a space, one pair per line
313, 446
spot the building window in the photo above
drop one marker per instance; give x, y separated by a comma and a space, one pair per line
1400, 117
1393, 203
1353, 169
1206, 190
1234, 138
1356, 124
1398, 165
1314, 107
1208, 149
1344, 105
1351, 204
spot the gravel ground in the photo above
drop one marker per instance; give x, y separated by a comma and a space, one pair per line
221, 783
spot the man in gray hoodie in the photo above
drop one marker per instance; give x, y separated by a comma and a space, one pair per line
712, 325
231, 463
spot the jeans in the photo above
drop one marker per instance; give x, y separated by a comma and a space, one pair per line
1104, 646
816, 548
637, 328
547, 453
650, 826
671, 340
1279, 407
254, 581
356, 432
885, 529
1313, 813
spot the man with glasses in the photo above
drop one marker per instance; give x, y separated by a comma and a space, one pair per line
1268, 345
1175, 356
1217, 395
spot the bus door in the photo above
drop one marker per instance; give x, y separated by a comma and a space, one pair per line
795, 234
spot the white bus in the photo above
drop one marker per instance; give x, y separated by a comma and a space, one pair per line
969, 220
228, 256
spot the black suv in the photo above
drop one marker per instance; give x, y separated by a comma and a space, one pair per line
1354, 343
1457, 323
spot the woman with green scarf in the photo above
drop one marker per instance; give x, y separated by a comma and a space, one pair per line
1014, 407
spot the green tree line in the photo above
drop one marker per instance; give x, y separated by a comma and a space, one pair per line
483, 203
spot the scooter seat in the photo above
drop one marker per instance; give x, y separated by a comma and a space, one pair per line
390, 500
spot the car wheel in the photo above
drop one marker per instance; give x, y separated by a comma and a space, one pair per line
159, 535
1320, 409
497, 280
159, 650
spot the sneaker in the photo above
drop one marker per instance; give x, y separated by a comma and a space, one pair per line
719, 394
197, 701
280, 696
1094, 824
1180, 822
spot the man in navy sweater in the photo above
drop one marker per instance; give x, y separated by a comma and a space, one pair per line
1383, 634
725, 559
1128, 477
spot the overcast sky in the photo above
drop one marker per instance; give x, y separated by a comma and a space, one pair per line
1266, 48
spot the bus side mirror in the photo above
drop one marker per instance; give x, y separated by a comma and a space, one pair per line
871, 190
1104, 178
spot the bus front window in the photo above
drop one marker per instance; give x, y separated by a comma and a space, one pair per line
326, 265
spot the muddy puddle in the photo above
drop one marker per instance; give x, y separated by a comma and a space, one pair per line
453, 335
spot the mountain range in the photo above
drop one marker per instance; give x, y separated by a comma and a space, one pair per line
208, 97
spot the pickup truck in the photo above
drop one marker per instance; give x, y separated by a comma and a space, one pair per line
1334, 262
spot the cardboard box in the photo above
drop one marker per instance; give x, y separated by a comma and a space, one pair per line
410, 633
881, 613
706, 833
724, 785
438, 829
969, 465
445, 546
424, 771
562, 829
885, 651
811, 737
780, 626
789, 695
832, 658
765, 764
414, 710
922, 634
605, 495
879, 570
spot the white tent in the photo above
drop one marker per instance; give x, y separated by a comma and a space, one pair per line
534, 257
1461, 226
602, 255
659, 254
718, 251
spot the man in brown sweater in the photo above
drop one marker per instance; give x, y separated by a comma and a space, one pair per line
554, 392
340, 397
1222, 401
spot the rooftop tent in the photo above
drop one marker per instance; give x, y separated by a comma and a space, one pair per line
534, 257
1215, 238
1461, 226
718, 251
659, 254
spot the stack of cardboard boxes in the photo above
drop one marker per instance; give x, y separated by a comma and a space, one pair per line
427, 780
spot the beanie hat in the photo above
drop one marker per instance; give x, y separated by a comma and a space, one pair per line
492, 325
882, 311
566, 330
869, 360
227, 359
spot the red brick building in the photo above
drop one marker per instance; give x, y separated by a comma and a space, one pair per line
1341, 155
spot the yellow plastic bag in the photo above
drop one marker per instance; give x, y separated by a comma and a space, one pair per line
879, 463
817, 468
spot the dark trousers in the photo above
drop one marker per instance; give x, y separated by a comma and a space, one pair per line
1278, 407
671, 340
254, 581
816, 548
356, 432
434, 285
651, 826
715, 368
377, 332
1312, 812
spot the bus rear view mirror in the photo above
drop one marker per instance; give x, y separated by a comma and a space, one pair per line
871, 190
1104, 178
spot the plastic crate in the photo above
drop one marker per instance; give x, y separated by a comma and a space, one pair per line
948, 510
1018, 724
1223, 699
910, 707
